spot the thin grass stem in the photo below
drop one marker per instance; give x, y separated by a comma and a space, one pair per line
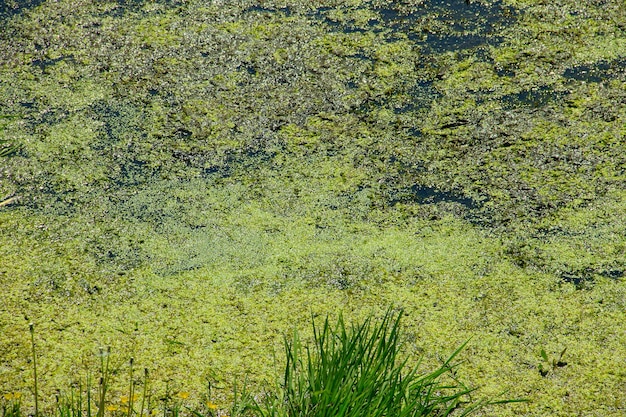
145, 390
131, 389
31, 328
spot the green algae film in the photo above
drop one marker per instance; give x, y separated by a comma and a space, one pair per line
199, 168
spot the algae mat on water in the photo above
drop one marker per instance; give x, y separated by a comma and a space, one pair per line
189, 180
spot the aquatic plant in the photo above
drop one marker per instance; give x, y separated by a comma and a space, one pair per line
7, 148
550, 364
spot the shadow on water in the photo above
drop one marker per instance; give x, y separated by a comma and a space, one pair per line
43, 64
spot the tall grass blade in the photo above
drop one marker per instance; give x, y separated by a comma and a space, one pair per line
354, 371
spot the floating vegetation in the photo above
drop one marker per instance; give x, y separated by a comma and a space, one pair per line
215, 171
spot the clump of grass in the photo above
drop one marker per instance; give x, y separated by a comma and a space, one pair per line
356, 371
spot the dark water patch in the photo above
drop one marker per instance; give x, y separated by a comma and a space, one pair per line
50, 116
581, 280
434, 27
450, 25
457, 42
10, 8
507, 71
49, 199
133, 172
121, 130
534, 98
414, 132
585, 278
250, 69
429, 195
8, 148
286, 11
345, 23
613, 273
597, 72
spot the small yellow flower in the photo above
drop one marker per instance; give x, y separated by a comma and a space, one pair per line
112, 407
211, 406
124, 398
10, 396
183, 395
